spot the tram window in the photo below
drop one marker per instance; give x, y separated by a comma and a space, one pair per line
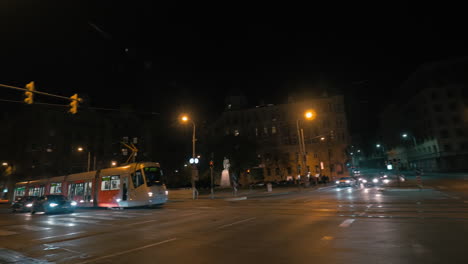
105, 184
115, 182
153, 176
55, 187
137, 179
20, 191
79, 189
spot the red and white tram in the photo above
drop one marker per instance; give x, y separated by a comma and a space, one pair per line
135, 184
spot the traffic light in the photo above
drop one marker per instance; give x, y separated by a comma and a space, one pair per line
211, 164
29, 93
74, 104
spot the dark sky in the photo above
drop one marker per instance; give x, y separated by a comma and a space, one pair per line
172, 57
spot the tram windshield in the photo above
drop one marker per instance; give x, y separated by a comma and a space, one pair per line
153, 176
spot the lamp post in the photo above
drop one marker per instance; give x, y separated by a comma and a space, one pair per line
308, 115
81, 149
193, 160
405, 136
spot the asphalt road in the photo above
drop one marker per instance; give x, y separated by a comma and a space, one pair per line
326, 225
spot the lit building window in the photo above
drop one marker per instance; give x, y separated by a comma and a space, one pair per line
265, 130
236, 132
273, 130
256, 132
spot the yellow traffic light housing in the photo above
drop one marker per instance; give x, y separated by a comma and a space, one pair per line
29, 93
74, 104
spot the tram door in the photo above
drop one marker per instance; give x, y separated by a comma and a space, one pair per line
124, 188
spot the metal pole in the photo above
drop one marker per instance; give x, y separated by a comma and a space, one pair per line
212, 191
304, 157
194, 166
300, 146
89, 159
94, 163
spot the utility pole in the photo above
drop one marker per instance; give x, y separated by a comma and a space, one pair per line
211, 175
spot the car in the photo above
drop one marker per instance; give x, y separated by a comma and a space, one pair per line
53, 204
346, 182
374, 181
23, 204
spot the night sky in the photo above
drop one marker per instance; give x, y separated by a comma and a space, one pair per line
170, 58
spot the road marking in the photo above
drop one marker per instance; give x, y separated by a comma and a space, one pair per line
31, 227
128, 251
327, 238
69, 234
347, 222
238, 222
7, 233
96, 217
139, 223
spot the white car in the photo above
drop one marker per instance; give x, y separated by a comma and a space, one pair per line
345, 182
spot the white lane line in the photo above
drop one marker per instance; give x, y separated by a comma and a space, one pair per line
74, 220
238, 222
96, 217
139, 223
69, 234
7, 233
347, 222
31, 227
127, 251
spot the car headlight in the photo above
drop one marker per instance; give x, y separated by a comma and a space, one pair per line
29, 205
386, 181
167, 192
53, 204
347, 181
375, 180
150, 194
337, 182
364, 181
73, 203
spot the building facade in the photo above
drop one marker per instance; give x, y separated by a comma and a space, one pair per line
429, 128
274, 128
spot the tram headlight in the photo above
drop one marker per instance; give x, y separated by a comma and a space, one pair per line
375, 180
167, 192
29, 205
150, 194
53, 204
73, 203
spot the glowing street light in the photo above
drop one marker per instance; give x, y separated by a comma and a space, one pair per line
114, 163
5, 164
310, 115
80, 149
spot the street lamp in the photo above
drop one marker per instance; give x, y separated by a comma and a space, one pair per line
81, 149
308, 115
185, 119
5, 164
405, 136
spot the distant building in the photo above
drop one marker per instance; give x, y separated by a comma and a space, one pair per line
274, 129
433, 113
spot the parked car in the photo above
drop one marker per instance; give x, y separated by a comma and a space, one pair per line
23, 204
53, 204
346, 182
